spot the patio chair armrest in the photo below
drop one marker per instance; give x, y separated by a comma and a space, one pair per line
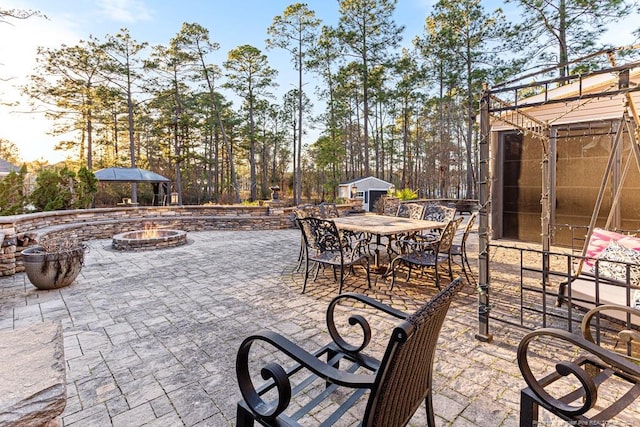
357, 320
586, 320
566, 368
418, 245
357, 243
280, 378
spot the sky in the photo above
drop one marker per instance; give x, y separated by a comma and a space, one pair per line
231, 23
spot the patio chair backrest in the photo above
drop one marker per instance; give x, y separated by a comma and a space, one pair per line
320, 234
406, 371
468, 227
410, 210
449, 232
329, 210
439, 213
390, 206
311, 210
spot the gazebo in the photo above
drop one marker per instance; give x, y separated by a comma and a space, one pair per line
137, 175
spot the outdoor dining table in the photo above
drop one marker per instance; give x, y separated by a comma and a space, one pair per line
384, 225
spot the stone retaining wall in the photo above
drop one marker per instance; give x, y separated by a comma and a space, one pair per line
22, 231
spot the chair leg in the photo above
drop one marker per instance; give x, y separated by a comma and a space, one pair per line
428, 403
528, 409
435, 269
393, 273
341, 277
306, 274
301, 255
244, 418
465, 260
368, 268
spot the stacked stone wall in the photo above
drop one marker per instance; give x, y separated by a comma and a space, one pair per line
21, 231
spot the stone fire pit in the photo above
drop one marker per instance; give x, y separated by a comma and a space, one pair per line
148, 239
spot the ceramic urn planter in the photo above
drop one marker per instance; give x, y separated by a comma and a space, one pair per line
53, 269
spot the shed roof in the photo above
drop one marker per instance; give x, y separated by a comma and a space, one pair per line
129, 175
368, 178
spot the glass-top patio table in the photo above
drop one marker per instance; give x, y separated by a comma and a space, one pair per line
384, 225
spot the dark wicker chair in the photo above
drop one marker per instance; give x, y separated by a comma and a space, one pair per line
595, 369
325, 245
397, 385
460, 249
425, 254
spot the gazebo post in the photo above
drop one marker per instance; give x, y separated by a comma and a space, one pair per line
483, 224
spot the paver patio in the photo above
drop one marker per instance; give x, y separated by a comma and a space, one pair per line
151, 337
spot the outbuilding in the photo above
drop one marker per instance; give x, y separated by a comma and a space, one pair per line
368, 189
6, 168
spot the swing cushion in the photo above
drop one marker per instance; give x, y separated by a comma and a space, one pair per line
599, 242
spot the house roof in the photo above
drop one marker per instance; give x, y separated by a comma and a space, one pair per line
6, 167
581, 109
129, 175
368, 178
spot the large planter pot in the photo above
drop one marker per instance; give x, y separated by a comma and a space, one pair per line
52, 270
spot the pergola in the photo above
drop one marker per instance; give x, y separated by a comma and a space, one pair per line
137, 175
558, 98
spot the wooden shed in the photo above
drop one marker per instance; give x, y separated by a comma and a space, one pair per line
368, 189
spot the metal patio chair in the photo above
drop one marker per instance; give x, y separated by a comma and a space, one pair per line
410, 210
397, 385
325, 245
425, 254
604, 384
405, 210
460, 249
438, 213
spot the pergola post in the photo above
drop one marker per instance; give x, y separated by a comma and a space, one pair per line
484, 198
545, 219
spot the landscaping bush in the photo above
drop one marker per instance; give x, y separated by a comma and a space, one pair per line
58, 189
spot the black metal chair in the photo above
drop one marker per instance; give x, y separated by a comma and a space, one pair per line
460, 249
329, 210
438, 213
425, 254
397, 384
578, 401
325, 245
410, 210
390, 206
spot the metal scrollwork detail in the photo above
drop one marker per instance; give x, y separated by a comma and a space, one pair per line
271, 371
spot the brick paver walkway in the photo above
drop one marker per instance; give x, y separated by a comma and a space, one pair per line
151, 337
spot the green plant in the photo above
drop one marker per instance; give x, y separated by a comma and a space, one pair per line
58, 189
86, 187
12, 194
405, 194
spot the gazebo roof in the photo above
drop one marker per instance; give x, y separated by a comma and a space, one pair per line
129, 175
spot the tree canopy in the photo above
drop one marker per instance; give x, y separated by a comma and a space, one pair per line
379, 101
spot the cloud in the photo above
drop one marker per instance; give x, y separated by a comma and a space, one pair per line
128, 11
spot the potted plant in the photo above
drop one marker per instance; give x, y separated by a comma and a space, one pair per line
53, 264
